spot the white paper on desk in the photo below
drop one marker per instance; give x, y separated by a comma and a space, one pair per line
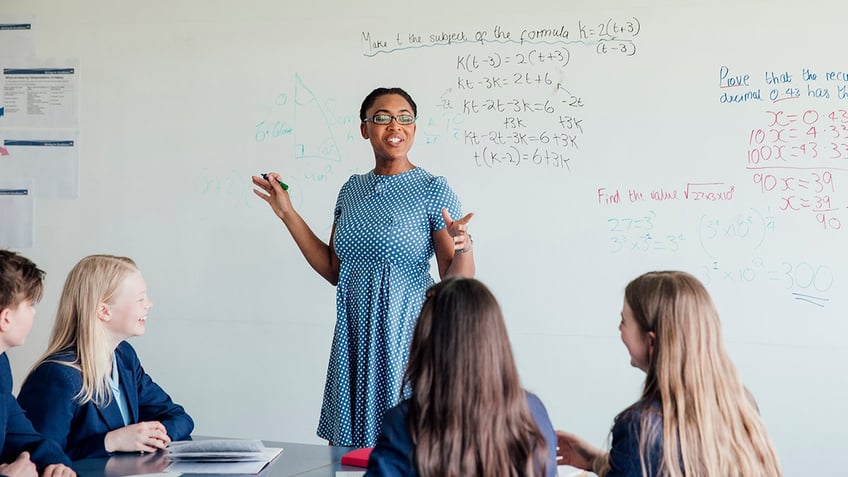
217, 450
157, 474
251, 467
569, 471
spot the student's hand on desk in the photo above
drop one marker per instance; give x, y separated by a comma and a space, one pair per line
58, 470
143, 436
20, 467
573, 451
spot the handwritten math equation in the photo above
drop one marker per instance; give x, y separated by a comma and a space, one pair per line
807, 282
523, 93
611, 35
509, 103
732, 249
639, 233
799, 158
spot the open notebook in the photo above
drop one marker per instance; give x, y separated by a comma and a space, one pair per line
217, 450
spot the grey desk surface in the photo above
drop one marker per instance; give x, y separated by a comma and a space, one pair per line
308, 460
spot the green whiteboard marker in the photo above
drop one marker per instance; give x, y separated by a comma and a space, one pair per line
282, 184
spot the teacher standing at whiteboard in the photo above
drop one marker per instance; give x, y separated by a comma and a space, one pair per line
387, 226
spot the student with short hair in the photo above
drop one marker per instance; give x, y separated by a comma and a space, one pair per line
89, 392
695, 418
23, 451
467, 414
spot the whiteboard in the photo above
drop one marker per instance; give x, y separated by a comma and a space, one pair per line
592, 141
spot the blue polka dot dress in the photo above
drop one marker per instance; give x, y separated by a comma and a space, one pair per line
383, 237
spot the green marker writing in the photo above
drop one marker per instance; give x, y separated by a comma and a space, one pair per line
282, 184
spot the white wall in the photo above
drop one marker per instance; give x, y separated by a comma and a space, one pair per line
182, 101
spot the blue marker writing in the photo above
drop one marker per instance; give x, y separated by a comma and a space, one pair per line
282, 184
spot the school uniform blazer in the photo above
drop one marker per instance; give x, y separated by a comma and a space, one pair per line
48, 393
16, 432
393, 456
624, 452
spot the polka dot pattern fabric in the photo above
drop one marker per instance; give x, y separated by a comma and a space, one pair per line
384, 227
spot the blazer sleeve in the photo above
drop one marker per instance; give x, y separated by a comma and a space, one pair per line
154, 404
48, 397
624, 454
20, 433
393, 454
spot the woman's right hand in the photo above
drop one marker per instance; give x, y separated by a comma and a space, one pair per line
143, 436
573, 451
273, 194
20, 467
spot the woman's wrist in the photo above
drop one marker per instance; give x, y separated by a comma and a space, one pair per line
469, 247
600, 464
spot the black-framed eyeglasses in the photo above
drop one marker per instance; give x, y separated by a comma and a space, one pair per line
383, 119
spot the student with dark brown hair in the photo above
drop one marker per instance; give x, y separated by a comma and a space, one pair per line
467, 414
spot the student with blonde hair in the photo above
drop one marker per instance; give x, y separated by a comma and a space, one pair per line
89, 392
695, 417
467, 414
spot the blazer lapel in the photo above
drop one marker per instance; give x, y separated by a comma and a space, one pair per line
111, 415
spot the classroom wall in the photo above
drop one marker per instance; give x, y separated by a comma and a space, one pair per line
593, 142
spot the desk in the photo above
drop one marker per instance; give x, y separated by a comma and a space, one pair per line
303, 460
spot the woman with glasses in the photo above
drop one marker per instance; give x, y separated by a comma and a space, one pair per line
388, 224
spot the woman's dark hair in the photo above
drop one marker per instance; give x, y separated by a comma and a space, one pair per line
372, 97
468, 412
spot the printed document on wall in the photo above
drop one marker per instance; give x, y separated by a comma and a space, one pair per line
17, 36
40, 93
49, 157
17, 40
16, 228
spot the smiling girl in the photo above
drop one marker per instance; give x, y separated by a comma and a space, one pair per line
89, 392
695, 417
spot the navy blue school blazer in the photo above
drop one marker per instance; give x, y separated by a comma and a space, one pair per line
48, 393
16, 432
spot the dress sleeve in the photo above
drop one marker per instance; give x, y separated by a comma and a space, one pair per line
393, 454
337, 210
440, 195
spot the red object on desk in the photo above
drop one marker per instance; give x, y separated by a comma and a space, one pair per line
358, 457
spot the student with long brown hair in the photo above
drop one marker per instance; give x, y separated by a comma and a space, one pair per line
467, 414
695, 418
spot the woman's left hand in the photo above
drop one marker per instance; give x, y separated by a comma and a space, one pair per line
458, 229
